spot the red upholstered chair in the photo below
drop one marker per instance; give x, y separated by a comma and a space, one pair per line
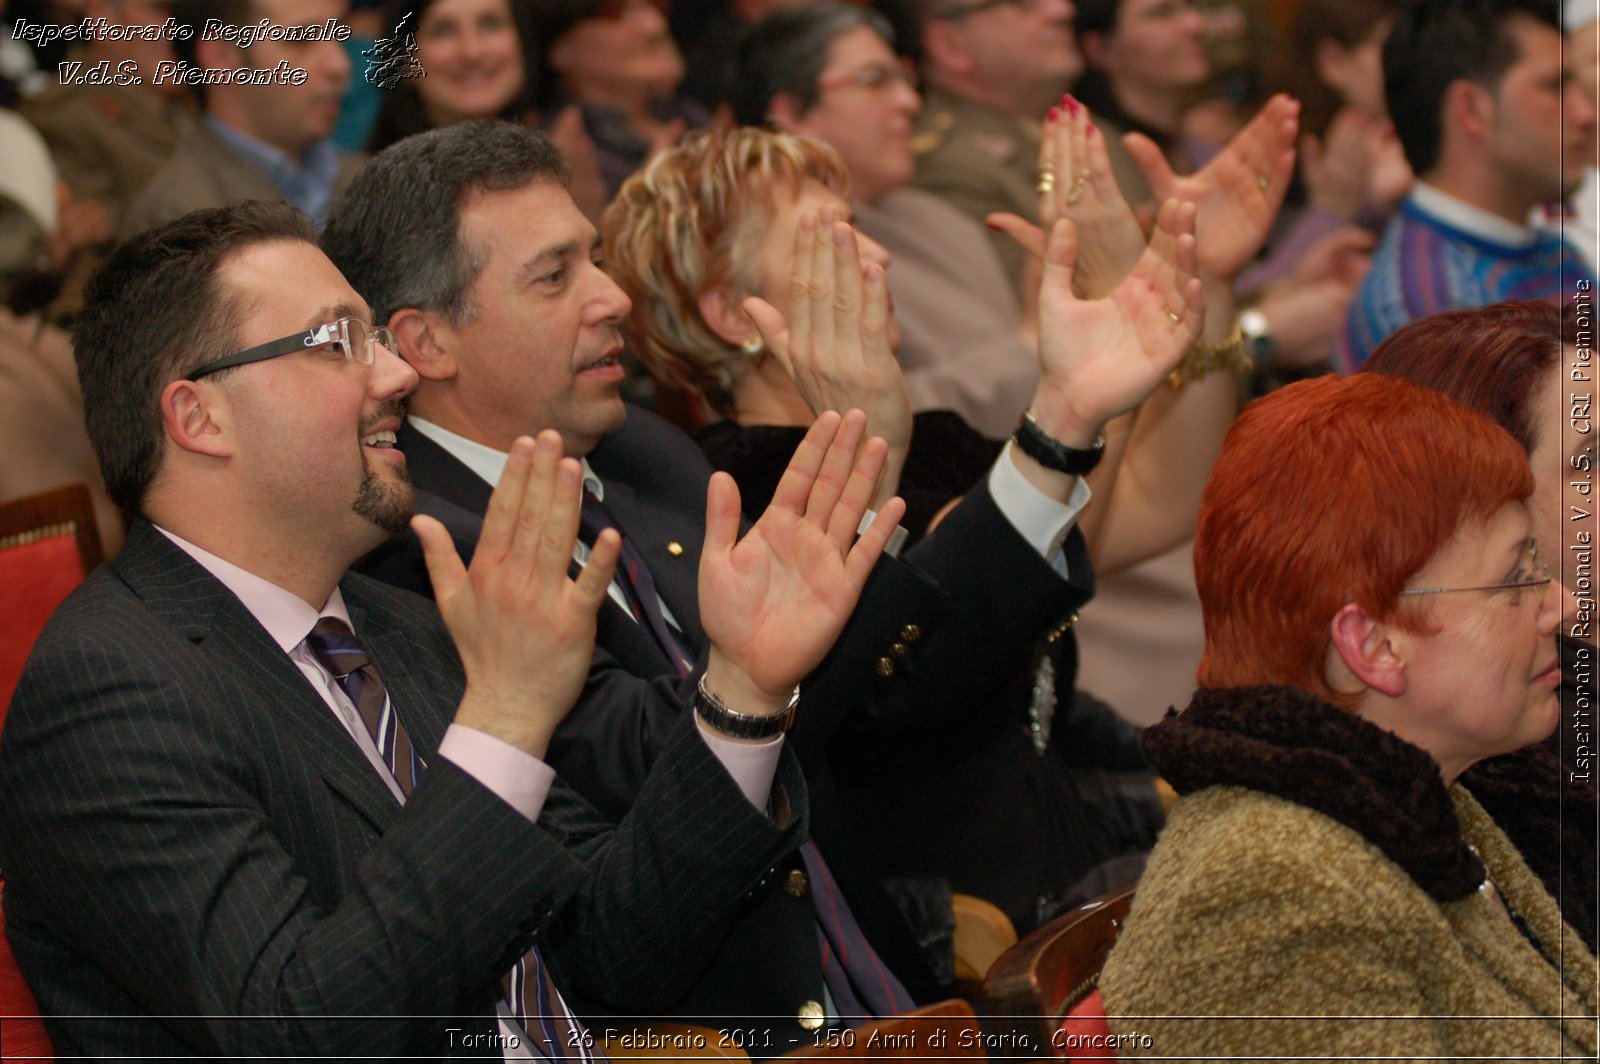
22, 1034
1045, 988
48, 544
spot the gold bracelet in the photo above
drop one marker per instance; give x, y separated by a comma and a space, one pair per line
1205, 359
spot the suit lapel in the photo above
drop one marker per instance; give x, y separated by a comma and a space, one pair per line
180, 591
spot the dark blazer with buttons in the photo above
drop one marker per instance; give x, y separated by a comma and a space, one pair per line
200, 861
920, 648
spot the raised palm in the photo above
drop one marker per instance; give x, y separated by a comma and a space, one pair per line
1104, 356
1238, 192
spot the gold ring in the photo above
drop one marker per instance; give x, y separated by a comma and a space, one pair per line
1262, 183
1075, 193
1176, 319
1047, 183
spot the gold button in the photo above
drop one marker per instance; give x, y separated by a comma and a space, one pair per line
911, 633
885, 667
797, 884
810, 1016
674, 548
898, 650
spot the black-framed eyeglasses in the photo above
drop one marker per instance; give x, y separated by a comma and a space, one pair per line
1533, 572
356, 340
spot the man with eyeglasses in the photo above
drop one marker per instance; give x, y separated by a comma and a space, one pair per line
992, 69
254, 805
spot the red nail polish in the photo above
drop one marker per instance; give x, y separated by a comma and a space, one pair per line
1073, 105
1055, 112
1092, 130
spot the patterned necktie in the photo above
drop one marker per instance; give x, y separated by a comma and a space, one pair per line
856, 977
531, 994
638, 586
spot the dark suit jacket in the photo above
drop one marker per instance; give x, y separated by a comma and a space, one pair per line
199, 860
921, 650
205, 171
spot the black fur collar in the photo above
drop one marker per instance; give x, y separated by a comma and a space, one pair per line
1290, 743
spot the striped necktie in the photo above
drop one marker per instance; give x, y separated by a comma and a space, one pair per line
531, 994
638, 586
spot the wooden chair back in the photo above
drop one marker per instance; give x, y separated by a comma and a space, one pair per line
1036, 984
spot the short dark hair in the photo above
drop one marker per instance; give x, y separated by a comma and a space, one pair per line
786, 53
154, 312
1436, 43
192, 15
396, 231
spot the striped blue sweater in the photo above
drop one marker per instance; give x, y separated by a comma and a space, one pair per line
1424, 265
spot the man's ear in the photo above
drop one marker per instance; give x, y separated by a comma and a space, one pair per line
197, 418
784, 112
424, 340
723, 313
1362, 654
1469, 107
945, 46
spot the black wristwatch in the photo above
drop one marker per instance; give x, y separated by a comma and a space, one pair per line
736, 725
1052, 453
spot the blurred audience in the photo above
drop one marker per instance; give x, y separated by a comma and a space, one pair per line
267, 142
616, 61
992, 68
1493, 122
42, 434
1378, 622
829, 71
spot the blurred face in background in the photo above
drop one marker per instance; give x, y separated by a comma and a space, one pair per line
1356, 73
1158, 44
473, 58
619, 57
864, 110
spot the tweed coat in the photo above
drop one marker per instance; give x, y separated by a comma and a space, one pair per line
1345, 917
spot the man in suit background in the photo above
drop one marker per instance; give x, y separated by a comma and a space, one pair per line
466, 243
266, 141
251, 805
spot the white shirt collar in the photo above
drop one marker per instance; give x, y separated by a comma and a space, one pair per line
488, 463
1469, 219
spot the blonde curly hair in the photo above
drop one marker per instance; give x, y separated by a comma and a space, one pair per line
693, 220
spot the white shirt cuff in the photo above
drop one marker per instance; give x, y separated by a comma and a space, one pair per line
752, 765
516, 777
1041, 520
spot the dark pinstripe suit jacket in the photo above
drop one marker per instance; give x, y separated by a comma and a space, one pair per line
200, 861
971, 622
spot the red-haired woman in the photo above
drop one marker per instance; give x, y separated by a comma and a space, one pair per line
1377, 621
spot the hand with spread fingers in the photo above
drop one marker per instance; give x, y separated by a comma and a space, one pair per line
1076, 182
1102, 357
524, 628
1238, 193
773, 603
837, 344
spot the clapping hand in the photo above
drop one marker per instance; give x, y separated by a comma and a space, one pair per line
836, 345
1238, 192
773, 603
524, 628
1076, 182
1102, 357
